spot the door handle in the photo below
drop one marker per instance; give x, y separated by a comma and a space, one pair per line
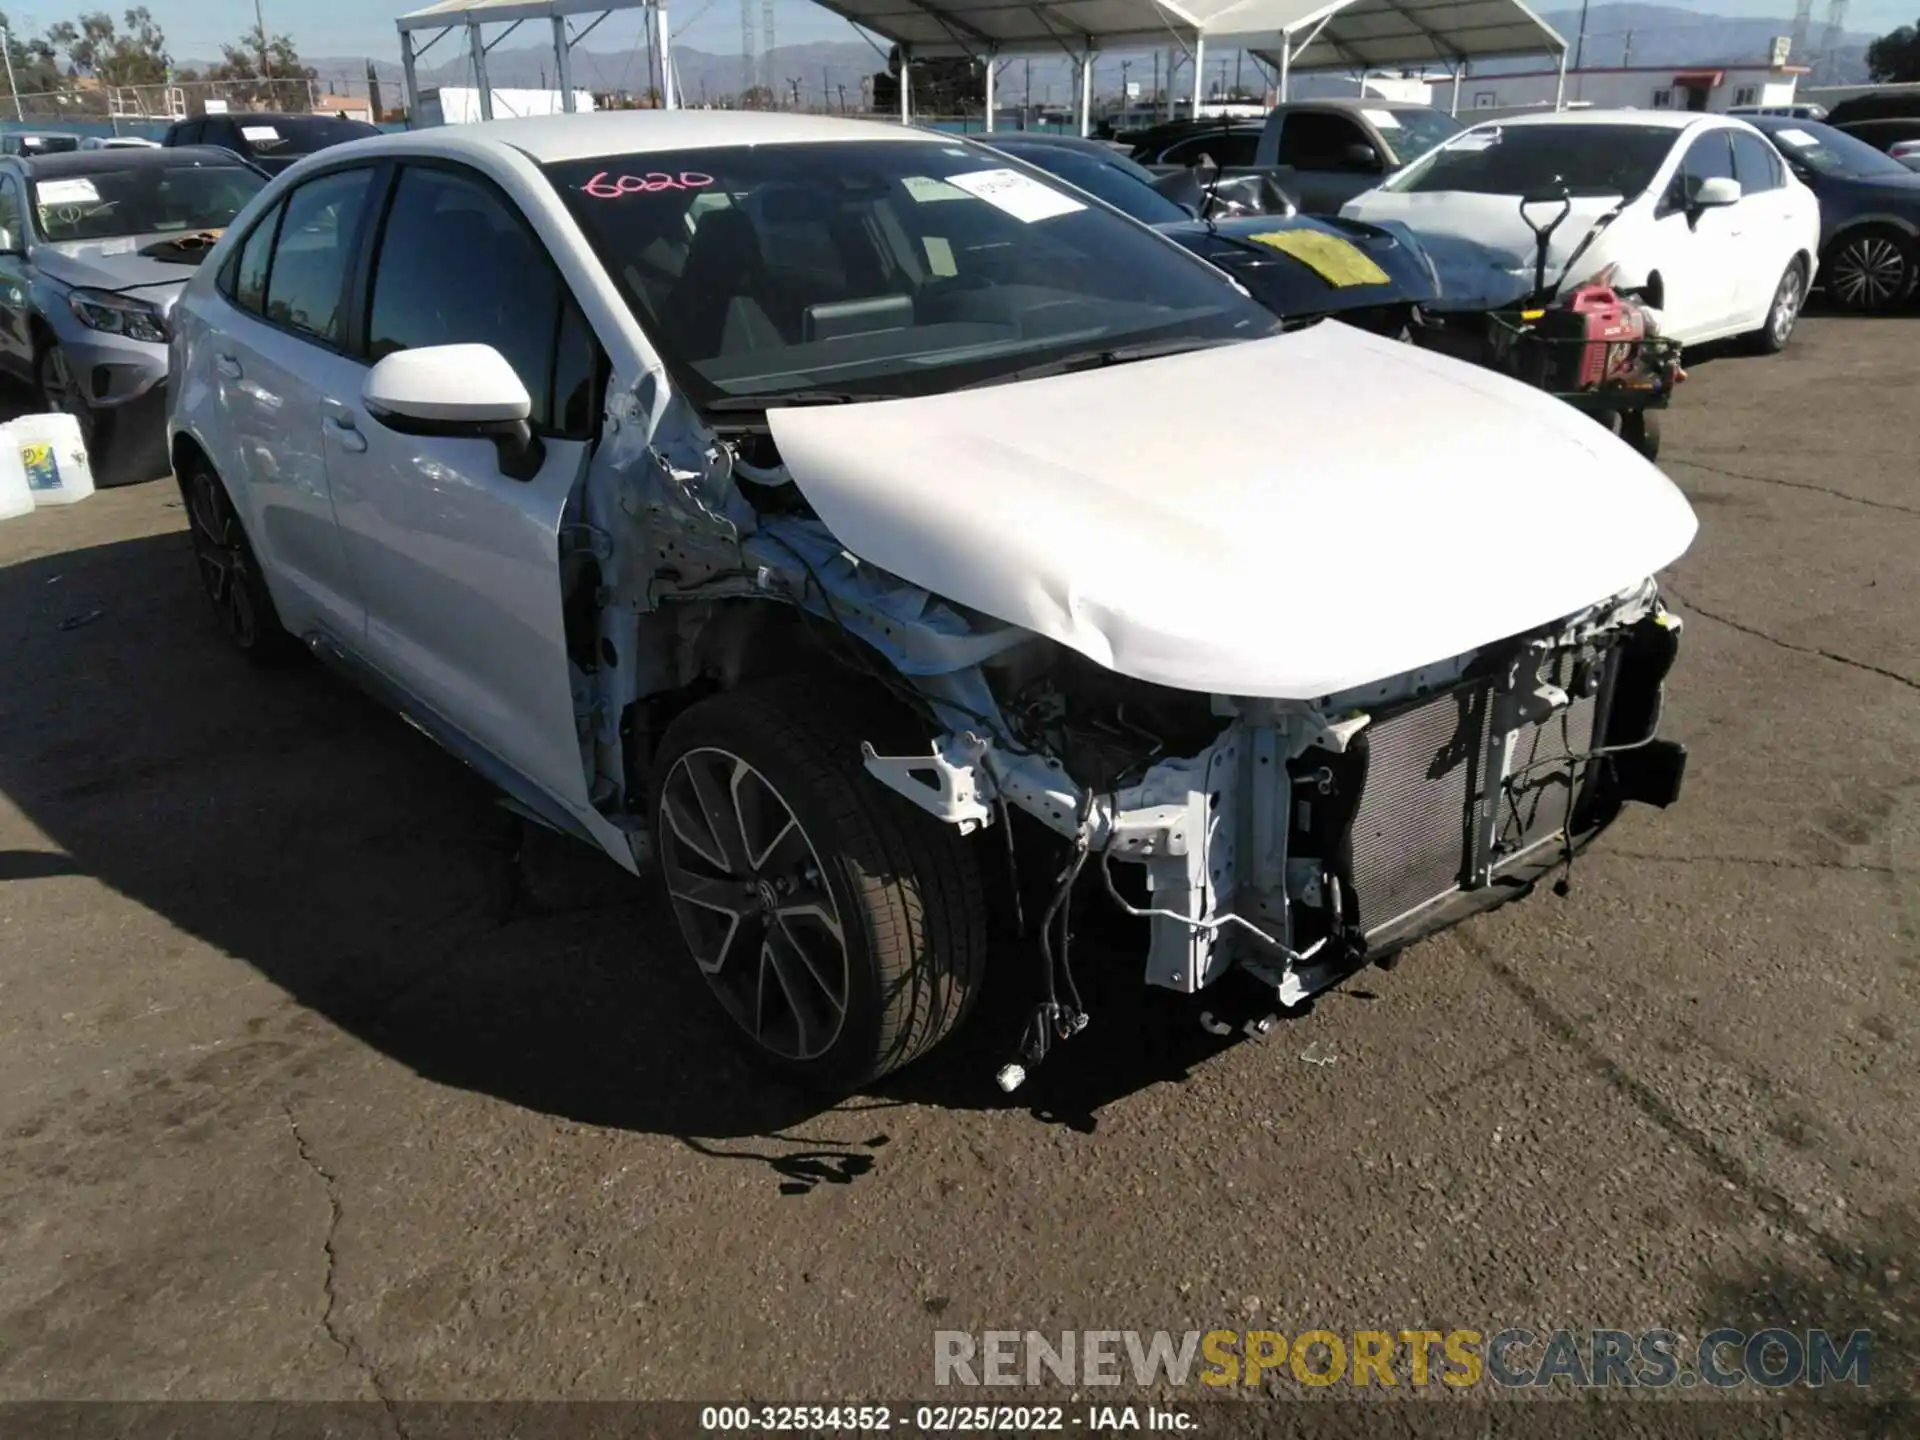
228, 366
341, 426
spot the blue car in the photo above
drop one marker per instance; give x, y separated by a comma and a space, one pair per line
1869, 212
1301, 267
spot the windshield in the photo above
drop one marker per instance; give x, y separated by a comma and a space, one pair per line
1542, 160
1827, 151
1117, 180
880, 267
103, 204
1414, 131
285, 136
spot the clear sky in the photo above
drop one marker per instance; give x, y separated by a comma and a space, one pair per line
196, 28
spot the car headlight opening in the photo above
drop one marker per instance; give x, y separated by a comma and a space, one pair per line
118, 315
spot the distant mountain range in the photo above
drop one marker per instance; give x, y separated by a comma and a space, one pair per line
1616, 34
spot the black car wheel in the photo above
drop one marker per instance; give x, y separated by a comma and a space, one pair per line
842, 930
228, 571
62, 393
1870, 270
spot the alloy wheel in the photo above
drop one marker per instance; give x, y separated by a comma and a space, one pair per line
1786, 305
753, 903
222, 558
62, 393
1868, 273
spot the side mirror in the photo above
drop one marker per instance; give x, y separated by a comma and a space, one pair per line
1714, 192
10, 243
459, 392
1359, 157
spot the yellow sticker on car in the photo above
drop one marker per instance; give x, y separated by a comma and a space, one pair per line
1338, 262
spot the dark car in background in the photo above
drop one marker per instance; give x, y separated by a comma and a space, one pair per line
1301, 267
37, 142
272, 142
95, 246
1869, 211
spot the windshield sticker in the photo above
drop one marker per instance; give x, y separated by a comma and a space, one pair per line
1382, 119
68, 192
926, 191
1338, 262
940, 257
1021, 196
1798, 137
605, 186
259, 134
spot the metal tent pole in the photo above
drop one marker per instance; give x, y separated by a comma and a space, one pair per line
478, 48
563, 63
1560, 84
906, 86
1454, 108
410, 71
1286, 62
1086, 93
1199, 72
993, 64
668, 99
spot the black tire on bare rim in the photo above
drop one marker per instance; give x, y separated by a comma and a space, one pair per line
841, 929
1869, 269
229, 573
1789, 298
1641, 430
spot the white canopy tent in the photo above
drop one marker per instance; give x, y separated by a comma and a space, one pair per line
445, 16
1291, 35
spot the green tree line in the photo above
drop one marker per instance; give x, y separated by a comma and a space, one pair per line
133, 51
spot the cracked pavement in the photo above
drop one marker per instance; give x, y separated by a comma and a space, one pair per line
298, 1098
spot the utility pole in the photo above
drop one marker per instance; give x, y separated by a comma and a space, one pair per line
1238, 56
843, 99
1155, 97
6, 42
1626, 52
1580, 44
266, 69
1029, 105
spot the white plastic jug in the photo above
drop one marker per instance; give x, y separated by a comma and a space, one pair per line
15, 497
54, 456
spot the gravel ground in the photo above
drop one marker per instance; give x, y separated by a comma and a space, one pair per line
295, 1103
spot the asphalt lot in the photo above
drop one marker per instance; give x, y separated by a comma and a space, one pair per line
294, 1101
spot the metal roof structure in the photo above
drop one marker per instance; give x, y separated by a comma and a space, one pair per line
444, 16
1289, 34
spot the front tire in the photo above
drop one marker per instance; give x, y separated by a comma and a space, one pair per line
229, 572
1869, 270
62, 393
1789, 297
842, 930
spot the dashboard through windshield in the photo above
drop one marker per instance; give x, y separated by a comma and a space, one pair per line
880, 268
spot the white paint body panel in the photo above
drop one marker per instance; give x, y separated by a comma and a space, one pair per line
1285, 518
1719, 269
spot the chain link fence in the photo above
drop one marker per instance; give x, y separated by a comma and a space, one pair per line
93, 105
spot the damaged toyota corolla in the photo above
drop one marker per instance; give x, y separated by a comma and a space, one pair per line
891, 545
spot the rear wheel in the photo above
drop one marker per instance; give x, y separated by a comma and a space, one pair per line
1869, 269
229, 573
1789, 297
842, 930
1641, 430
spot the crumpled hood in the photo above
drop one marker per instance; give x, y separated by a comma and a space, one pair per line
1483, 250
1286, 518
115, 264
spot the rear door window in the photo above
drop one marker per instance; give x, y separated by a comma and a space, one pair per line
1709, 158
1318, 140
1756, 165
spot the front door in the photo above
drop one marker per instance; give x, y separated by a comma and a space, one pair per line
459, 564
16, 333
1698, 248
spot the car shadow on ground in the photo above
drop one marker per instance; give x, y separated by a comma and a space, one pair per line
285, 820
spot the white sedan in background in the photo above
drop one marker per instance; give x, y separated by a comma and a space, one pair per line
1694, 212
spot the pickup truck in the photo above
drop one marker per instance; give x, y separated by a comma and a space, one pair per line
1321, 152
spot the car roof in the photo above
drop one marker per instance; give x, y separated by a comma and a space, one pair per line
547, 139
1352, 102
1083, 143
1675, 120
92, 162
263, 117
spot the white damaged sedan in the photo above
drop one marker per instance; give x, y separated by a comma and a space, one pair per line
890, 544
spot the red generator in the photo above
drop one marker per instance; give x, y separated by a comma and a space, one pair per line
1598, 333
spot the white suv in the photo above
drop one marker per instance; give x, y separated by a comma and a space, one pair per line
859, 524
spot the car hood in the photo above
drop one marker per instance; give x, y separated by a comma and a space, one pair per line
1287, 517
126, 262
1312, 281
1481, 247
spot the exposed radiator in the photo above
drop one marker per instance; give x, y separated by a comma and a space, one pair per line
1418, 826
